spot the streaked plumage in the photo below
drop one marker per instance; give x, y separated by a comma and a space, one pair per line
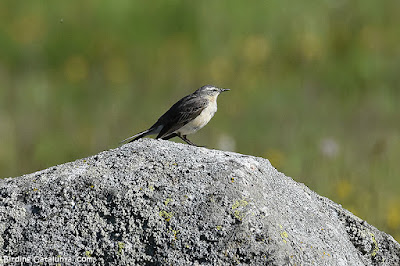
186, 116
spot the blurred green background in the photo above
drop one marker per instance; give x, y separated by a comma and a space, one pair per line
314, 85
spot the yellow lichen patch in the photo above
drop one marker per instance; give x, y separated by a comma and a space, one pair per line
239, 203
121, 246
376, 248
168, 200
185, 197
219, 227
325, 254
175, 233
166, 215
151, 188
284, 236
238, 215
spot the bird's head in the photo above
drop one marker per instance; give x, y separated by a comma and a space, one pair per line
210, 90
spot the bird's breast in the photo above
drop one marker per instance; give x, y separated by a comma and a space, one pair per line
200, 121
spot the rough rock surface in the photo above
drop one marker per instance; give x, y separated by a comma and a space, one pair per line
155, 202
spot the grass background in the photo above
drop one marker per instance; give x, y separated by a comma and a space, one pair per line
314, 85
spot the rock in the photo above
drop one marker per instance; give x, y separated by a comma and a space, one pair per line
165, 203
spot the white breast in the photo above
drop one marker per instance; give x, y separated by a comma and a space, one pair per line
200, 121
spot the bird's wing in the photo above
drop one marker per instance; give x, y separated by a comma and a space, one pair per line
181, 113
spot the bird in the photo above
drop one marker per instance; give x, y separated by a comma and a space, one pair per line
185, 117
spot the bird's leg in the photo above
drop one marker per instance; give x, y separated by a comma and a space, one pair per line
184, 138
188, 141
170, 136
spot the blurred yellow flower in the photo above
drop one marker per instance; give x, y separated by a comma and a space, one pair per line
116, 70
256, 49
220, 69
371, 38
28, 28
276, 157
311, 46
343, 188
393, 215
76, 68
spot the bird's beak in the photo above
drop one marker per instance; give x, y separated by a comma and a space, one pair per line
222, 90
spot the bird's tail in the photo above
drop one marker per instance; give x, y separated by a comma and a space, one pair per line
138, 136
